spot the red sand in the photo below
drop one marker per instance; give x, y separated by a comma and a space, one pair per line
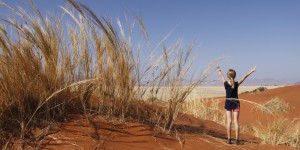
192, 134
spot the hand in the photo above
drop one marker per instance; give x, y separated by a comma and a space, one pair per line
218, 69
253, 69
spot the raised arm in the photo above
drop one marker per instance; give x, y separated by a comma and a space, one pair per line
220, 73
247, 75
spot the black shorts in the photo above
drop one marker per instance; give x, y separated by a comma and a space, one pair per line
231, 104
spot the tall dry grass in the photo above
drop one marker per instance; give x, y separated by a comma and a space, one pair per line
205, 108
209, 108
280, 131
52, 66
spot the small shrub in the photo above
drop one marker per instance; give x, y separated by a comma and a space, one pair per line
246, 92
260, 89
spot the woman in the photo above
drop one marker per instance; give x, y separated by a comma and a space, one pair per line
232, 104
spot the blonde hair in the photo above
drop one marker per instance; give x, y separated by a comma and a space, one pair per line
231, 76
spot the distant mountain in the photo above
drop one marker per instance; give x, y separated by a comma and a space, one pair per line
297, 83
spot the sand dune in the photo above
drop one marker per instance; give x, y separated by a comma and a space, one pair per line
289, 94
96, 132
193, 134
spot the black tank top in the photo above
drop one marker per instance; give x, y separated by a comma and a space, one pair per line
231, 104
231, 92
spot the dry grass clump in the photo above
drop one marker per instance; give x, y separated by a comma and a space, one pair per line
274, 106
205, 108
78, 63
246, 128
280, 132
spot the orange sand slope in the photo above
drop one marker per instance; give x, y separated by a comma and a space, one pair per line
192, 133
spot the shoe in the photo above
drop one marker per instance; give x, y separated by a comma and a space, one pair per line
237, 142
228, 141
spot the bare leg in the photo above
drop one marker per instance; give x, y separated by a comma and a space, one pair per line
228, 116
236, 124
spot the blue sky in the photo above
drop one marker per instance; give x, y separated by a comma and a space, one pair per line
262, 33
